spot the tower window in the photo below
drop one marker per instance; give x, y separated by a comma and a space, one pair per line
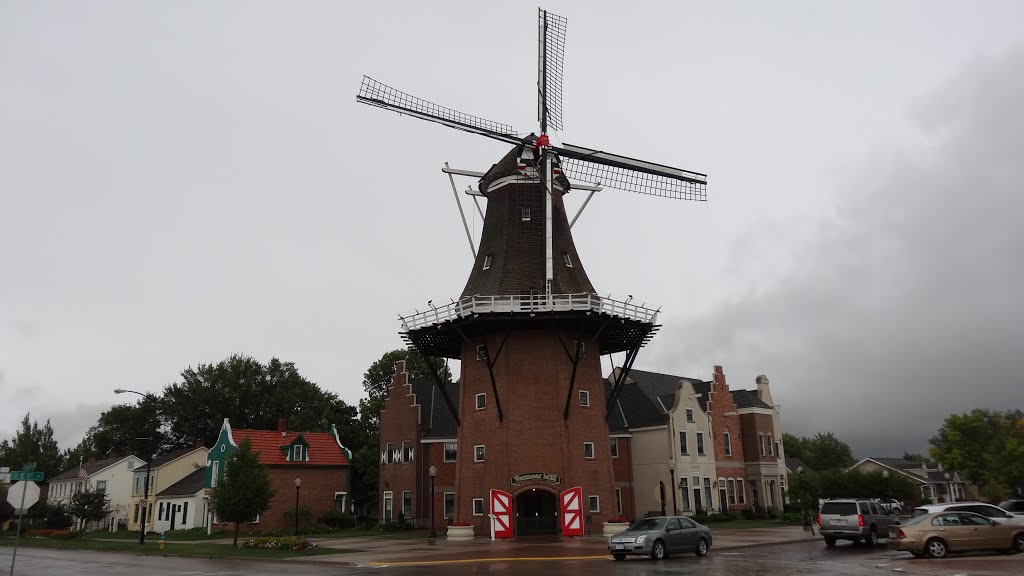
478, 453
487, 261
481, 401
584, 398
567, 259
588, 450
526, 214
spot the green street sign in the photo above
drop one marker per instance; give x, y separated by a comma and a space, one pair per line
26, 475
29, 467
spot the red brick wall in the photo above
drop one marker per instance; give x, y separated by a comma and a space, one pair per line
399, 421
317, 492
753, 426
532, 376
622, 472
725, 419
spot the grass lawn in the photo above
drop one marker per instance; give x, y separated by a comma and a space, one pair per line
152, 548
372, 533
222, 534
126, 535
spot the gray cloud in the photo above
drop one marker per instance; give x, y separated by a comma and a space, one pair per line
906, 304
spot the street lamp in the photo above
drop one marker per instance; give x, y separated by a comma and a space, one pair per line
432, 472
149, 463
298, 484
672, 477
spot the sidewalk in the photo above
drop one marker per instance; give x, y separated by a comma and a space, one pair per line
377, 551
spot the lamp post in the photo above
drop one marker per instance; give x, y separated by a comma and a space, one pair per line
672, 477
298, 484
432, 472
149, 463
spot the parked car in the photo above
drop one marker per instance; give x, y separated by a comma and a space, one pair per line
660, 536
986, 510
889, 505
853, 520
937, 534
1016, 506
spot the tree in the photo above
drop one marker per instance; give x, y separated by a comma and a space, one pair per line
805, 492
33, 443
826, 451
985, 447
89, 506
252, 395
124, 429
795, 446
244, 492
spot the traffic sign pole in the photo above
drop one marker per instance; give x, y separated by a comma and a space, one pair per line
17, 535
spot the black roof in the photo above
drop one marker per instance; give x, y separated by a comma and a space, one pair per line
640, 410
748, 399
90, 468
435, 417
794, 463
169, 457
188, 485
655, 384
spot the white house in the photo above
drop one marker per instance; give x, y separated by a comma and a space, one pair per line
113, 476
182, 505
166, 471
693, 454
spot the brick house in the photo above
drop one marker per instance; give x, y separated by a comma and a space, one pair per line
318, 460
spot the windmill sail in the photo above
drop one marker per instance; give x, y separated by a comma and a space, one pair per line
551, 37
381, 95
629, 174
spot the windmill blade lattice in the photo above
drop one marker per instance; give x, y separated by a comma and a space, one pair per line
633, 180
552, 39
375, 93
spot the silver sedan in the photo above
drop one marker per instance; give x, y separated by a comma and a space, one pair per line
660, 536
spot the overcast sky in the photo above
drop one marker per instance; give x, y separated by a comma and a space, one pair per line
181, 181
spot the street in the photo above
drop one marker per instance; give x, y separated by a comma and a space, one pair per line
803, 558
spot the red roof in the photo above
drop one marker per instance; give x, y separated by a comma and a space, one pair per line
323, 449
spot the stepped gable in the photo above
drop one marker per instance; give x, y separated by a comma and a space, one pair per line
514, 241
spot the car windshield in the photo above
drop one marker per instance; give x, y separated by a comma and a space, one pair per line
839, 508
648, 524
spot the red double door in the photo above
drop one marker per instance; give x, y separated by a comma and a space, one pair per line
570, 505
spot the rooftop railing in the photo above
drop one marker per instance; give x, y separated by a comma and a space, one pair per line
528, 304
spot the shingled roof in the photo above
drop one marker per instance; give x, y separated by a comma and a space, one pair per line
748, 399
90, 468
436, 419
639, 410
323, 449
655, 384
169, 457
188, 485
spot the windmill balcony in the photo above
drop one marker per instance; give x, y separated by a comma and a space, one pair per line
529, 304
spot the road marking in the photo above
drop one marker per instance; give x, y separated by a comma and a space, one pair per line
472, 560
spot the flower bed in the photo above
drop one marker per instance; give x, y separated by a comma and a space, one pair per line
293, 543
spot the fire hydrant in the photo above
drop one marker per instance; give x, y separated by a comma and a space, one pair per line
163, 543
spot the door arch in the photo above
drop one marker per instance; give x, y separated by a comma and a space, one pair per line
536, 510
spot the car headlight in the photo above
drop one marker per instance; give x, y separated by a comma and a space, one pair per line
641, 539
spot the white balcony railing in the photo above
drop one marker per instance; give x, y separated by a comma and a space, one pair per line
528, 304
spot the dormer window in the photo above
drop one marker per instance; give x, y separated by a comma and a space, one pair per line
526, 214
297, 455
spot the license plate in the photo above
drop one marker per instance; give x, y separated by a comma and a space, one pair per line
840, 522
619, 546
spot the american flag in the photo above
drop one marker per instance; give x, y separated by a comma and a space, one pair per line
82, 474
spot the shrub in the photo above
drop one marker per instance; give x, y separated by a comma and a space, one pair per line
792, 518
293, 543
339, 520
57, 517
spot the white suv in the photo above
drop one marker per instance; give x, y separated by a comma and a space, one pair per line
987, 510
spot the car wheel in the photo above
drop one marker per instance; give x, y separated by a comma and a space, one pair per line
619, 557
936, 548
830, 542
872, 539
702, 547
658, 550
1018, 544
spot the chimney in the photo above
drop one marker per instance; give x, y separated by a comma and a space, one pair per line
762, 388
90, 459
282, 425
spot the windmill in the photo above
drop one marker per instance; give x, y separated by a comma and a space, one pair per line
518, 299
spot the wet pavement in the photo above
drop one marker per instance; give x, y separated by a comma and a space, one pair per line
800, 558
